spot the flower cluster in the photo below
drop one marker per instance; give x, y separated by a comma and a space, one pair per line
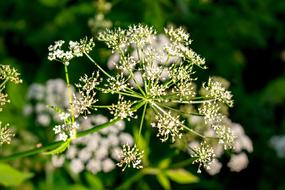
9, 73
84, 101
97, 152
67, 129
204, 155
156, 72
122, 109
76, 49
119, 40
3, 100
54, 94
168, 125
217, 91
99, 21
240, 144
130, 157
6, 134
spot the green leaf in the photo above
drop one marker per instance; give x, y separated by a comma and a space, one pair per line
163, 180
77, 187
12, 177
164, 163
274, 92
181, 176
62, 147
94, 181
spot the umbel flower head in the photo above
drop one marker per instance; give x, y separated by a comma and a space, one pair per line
6, 134
9, 73
130, 157
156, 75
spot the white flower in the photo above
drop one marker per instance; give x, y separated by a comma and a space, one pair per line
6, 134
238, 162
108, 165
216, 90
204, 155
242, 141
57, 129
122, 109
168, 126
71, 152
76, 166
278, 144
84, 155
215, 167
57, 161
62, 137
36, 92
130, 157
63, 116
126, 138
76, 49
94, 166
43, 119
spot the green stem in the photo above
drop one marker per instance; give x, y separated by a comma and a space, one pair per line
130, 181
193, 101
143, 114
192, 131
32, 152
100, 68
3, 84
181, 112
136, 177
69, 93
136, 83
183, 163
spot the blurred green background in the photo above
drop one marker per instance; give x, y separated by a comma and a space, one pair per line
241, 40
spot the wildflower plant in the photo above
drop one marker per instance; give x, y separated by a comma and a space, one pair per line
148, 77
7, 74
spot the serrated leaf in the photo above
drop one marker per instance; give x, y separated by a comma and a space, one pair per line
163, 180
61, 148
94, 181
181, 176
12, 177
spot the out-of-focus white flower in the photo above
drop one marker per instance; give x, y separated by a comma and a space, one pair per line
36, 92
238, 162
242, 141
57, 161
99, 151
28, 109
71, 152
126, 138
94, 166
215, 167
43, 119
108, 165
76, 165
278, 144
